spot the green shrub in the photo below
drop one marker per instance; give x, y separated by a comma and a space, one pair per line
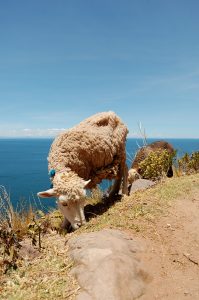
156, 164
189, 164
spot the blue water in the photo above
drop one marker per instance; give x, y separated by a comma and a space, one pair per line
23, 165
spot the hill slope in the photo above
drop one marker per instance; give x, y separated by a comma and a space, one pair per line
164, 219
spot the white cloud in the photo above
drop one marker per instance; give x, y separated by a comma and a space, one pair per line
29, 132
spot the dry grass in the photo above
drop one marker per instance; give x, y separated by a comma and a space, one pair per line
134, 212
40, 274
17, 220
47, 275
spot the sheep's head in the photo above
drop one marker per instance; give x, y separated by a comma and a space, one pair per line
70, 190
133, 175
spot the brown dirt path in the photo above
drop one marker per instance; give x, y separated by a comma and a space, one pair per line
171, 253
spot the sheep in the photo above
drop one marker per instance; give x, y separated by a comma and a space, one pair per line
135, 171
81, 157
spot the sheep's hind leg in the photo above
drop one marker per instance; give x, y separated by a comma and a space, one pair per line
125, 181
122, 178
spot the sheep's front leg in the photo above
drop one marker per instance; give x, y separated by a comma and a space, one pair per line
115, 188
81, 214
65, 223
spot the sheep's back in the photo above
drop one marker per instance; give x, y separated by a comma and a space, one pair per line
162, 145
94, 143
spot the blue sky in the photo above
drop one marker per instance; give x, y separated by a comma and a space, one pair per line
62, 61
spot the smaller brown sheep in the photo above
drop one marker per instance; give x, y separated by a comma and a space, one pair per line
135, 171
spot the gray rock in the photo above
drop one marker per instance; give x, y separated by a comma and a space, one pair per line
106, 266
141, 184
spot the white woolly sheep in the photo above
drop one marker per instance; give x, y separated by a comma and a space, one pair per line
82, 157
135, 172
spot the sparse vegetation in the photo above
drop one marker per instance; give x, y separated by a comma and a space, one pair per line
9, 245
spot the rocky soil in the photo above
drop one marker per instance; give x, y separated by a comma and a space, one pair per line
171, 253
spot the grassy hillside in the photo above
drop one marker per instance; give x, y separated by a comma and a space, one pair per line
45, 273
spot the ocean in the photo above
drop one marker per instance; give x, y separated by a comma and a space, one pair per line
24, 172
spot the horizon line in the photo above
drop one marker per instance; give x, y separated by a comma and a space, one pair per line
130, 137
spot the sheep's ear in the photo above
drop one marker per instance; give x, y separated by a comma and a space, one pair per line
86, 182
47, 194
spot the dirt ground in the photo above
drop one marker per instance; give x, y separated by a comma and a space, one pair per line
171, 252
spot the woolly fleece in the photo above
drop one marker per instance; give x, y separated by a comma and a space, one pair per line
94, 149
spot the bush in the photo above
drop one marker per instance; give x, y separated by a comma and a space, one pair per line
189, 164
156, 164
